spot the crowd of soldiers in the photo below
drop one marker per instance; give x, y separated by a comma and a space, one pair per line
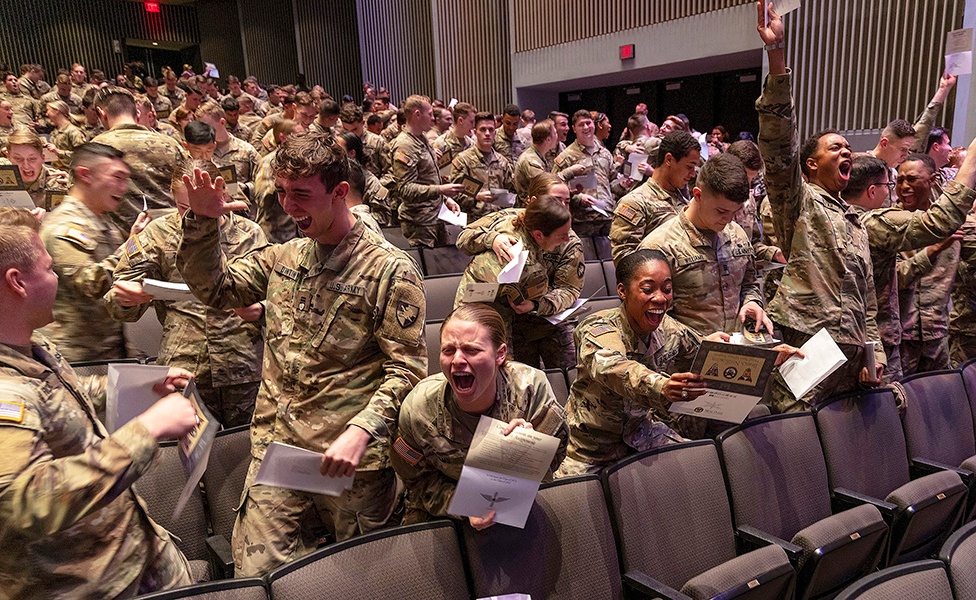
270, 204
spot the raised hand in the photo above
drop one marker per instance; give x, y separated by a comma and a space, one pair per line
208, 198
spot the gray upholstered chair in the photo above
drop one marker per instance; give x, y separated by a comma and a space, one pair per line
867, 461
230, 589
444, 260
559, 385
413, 562
777, 480
223, 482
440, 292
959, 555
924, 579
566, 550
674, 529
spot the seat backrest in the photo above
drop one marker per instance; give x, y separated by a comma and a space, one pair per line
223, 480
413, 562
566, 550
670, 512
444, 260
395, 236
414, 253
559, 385
776, 473
610, 274
593, 282
228, 589
602, 245
432, 331
589, 250
968, 370
938, 410
145, 335
865, 425
924, 579
440, 292
959, 554
98, 367
160, 487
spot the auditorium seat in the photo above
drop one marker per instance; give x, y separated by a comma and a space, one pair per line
674, 529
777, 480
432, 332
223, 483
594, 284
924, 579
867, 461
444, 260
440, 292
959, 555
565, 552
230, 589
395, 236
559, 384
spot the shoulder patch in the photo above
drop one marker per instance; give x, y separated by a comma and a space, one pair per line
11, 411
580, 269
402, 157
560, 160
627, 212
79, 237
407, 453
601, 330
132, 246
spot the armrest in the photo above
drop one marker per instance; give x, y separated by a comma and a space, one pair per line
923, 466
844, 499
221, 557
752, 539
639, 585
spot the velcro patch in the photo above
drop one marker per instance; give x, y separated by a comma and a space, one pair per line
601, 330
346, 288
11, 411
73, 234
402, 157
628, 212
407, 453
132, 247
286, 272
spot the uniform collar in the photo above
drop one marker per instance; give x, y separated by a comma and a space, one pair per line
314, 260
695, 235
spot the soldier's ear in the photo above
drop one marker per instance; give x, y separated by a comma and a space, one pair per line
12, 278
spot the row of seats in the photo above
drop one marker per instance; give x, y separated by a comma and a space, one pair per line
800, 505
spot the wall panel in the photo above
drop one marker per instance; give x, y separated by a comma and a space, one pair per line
397, 46
269, 37
220, 37
328, 34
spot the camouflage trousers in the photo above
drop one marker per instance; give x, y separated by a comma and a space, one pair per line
232, 405
536, 341
166, 568
961, 348
919, 357
276, 525
893, 370
649, 434
427, 235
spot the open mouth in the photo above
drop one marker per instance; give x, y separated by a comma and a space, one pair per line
303, 223
845, 169
654, 315
463, 382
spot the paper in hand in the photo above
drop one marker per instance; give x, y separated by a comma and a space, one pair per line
168, 291
959, 52
512, 272
296, 468
821, 357
195, 446
447, 215
129, 392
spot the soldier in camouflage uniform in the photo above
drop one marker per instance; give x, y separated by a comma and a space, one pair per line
65, 136
374, 147
63, 92
152, 157
171, 90
30, 77
659, 199
92, 125
533, 162
455, 140
222, 349
550, 283
230, 150
416, 182
483, 164
278, 227
439, 417
79, 80
710, 257
892, 230
161, 104
27, 112
46, 185
962, 318
588, 203
508, 143
79, 238
70, 523
828, 281
6, 122
344, 330
373, 201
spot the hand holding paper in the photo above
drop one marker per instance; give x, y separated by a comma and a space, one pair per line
445, 214
821, 357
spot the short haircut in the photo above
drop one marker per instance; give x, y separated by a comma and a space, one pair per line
679, 123
351, 113
724, 175
810, 147
61, 106
678, 144
143, 102
748, 153
232, 79
512, 110
629, 264
22, 136
116, 102
373, 119
935, 137
63, 79
463, 109
414, 102
329, 108
303, 99
866, 171
528, 114
483, 116
212, 110
581, 114
542, 130
199, 133
311, 154
150, 82
284, 127
636, 123
92, 153
18, 240
354, 145
88, 100
925, 159
230, 104
541, 184
555, 115
898, 129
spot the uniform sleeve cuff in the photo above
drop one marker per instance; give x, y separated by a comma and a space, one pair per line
371, 423
778, 88
137, 442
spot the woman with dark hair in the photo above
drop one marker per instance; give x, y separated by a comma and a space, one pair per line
439, 416
550, 283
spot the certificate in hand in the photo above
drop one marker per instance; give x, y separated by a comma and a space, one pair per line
736, 377
502, 473
195, 446
12, 190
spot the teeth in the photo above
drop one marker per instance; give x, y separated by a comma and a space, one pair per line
656, 312
463, 381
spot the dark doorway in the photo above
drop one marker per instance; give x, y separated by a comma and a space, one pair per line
156, 55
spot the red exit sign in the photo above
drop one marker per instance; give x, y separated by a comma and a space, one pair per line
627, 52
152, 7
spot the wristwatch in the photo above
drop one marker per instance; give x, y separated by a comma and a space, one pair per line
775, 46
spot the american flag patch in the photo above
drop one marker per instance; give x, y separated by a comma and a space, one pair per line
406, 452
11, 411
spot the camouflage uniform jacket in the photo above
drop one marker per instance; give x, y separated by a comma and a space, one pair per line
433, 442
80, 89
374, 150
72, 100
828, 281
492, 169
175, 95
380, 202
277, 225
893, 230
510, 147
30, 88
245, 160
66, 141
416, 179
5, 133
26, 110
49, 189
70, 524
597, 160
924, 288
748, 218
451, 145
198, 338
240, 131
616, 407
530, 164
152, 158
553, 279
962, 318
78, 241
639, 213
92, 131
714, 274
344, 332
162, 105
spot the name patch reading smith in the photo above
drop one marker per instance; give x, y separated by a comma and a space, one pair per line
346, 288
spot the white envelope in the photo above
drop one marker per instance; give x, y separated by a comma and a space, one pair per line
168, 290
821, 357
511, 272
445, 214
296, 468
